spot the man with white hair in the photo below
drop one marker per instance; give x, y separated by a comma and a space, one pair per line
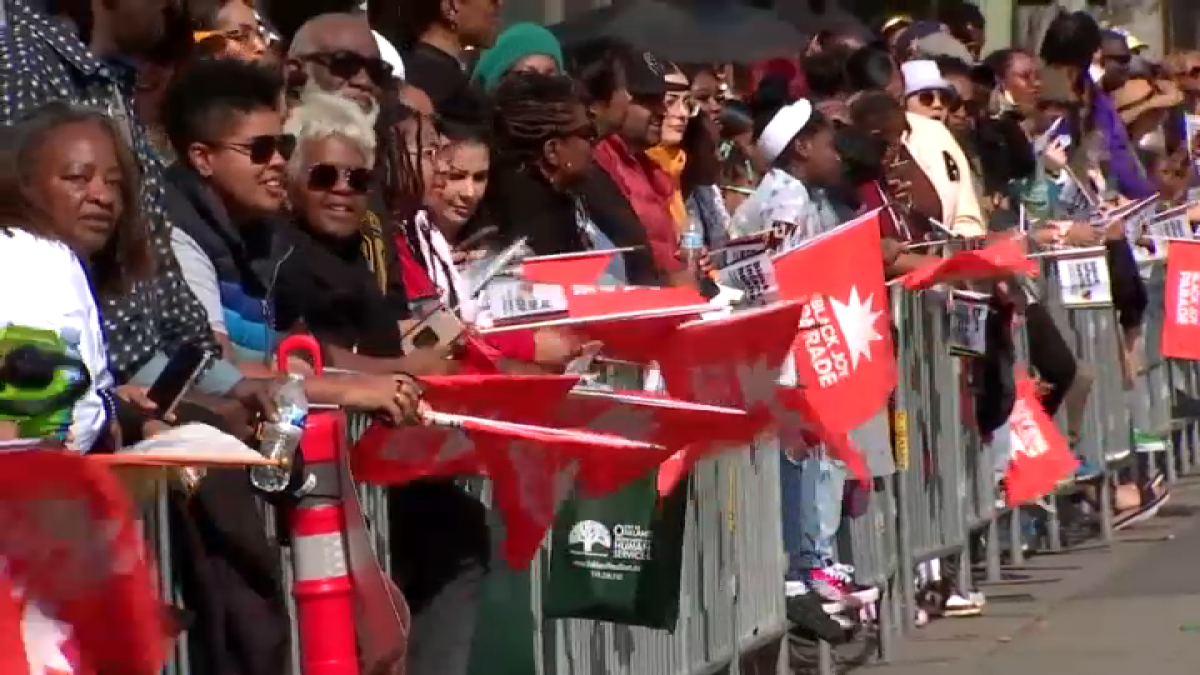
338, 53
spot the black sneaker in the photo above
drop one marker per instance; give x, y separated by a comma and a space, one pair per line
809, 620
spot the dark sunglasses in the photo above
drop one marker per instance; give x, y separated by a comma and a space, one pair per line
345, 65
949, 99
262, 149
1122, 59
325, 177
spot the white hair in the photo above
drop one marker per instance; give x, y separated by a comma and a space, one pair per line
322, 115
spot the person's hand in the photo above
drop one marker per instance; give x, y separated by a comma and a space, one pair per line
1054, 157
136, 395
899, 190
152, 428
1047, 236
555, 347
9, 431
1115, 231
394, 397
258, 396
891, 250
1080, 234
1193, 213
704, 264
465, 257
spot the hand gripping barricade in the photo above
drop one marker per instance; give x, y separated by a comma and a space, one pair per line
322, 584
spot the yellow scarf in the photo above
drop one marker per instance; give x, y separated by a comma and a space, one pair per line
672, 159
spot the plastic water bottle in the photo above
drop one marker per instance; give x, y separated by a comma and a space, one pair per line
280, 438
691, 243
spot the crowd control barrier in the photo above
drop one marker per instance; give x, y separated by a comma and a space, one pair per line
942, 503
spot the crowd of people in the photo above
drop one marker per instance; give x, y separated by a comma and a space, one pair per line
184, 177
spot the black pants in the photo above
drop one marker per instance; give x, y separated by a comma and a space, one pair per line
228, 573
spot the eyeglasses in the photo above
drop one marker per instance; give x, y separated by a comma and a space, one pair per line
262, 149
346, 65
587, 132
1120, 59
949, 99
325, 177
685, 100
243, 34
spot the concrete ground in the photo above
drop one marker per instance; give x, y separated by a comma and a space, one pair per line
1129, 609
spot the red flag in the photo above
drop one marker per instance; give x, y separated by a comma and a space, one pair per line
1040, 455
389, 455
998, 259
733, 361
845, 366
585, 301
569, 268
639, 416
637, 337
1181, 326
71, 543
533, 469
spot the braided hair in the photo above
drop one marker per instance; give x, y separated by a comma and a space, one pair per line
528, 110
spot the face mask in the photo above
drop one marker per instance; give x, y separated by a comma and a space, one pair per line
1096, 72
1155, 140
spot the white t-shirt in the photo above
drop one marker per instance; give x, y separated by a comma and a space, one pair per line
57, 297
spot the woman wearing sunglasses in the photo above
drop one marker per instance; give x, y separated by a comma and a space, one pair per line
228, 29
334, 276
225, 197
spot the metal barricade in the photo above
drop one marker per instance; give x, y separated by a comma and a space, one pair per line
942, 496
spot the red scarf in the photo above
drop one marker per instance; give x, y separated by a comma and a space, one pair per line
649, 190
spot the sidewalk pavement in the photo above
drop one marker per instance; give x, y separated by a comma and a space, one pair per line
1131, 609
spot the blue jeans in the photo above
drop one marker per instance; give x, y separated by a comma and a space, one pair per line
811, 492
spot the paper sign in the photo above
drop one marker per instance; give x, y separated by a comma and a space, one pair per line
731, 253
1192, 124
969, 313
754, 276
508, 299
1084, 279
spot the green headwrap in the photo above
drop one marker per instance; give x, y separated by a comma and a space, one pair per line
515, 43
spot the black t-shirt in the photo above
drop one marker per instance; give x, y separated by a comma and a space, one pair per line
330, 287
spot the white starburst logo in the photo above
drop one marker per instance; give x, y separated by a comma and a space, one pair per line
857, 322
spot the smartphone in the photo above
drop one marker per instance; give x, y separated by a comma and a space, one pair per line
180, 373
439, 328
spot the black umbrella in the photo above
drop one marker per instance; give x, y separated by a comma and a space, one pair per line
710, 33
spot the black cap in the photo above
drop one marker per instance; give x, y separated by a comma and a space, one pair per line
645, 74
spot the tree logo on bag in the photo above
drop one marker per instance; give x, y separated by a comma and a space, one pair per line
590, 537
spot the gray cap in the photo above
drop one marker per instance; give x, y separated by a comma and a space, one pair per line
940, 45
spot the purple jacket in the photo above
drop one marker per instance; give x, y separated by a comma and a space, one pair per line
1127, 171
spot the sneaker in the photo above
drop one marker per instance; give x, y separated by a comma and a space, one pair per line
810, 619
1153, 499
792, 589
1118, 455
1145, 441
958, 605
835, 583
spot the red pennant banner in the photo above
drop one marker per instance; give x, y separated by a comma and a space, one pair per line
72, 546
1041, 457
734, 361
998, 259
570, 268
388, 455
1181, 321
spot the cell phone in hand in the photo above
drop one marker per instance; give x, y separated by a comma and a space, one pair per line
439, 328
180, 373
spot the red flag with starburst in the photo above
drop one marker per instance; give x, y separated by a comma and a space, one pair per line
74, 568
843, 355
